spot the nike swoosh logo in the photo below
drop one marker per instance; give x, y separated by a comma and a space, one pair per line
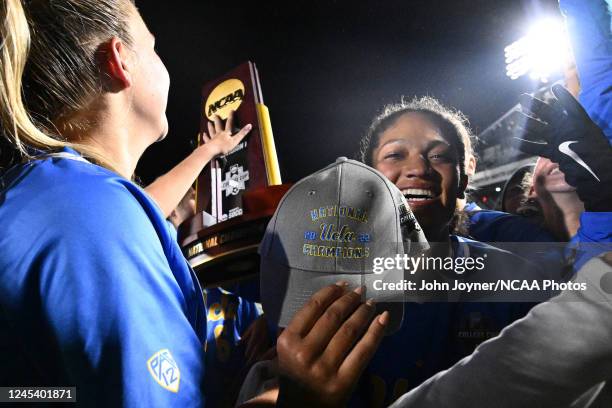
565, 149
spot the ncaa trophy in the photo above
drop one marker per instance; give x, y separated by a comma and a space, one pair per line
236, 194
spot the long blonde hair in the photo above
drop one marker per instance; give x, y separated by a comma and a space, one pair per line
49, 70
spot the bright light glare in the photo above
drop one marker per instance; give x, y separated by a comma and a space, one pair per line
544, 51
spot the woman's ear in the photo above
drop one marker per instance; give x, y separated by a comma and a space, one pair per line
115, 61
463, 183
470, 167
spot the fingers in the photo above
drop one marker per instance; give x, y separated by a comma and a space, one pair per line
211, 129
338, 319
243, 132
567, 100
529, 127
218, 124
204, 137
532, 127
363, 351
538, 108
532, 135
229, 122
331, 320
306, 317
352, 329
530, 146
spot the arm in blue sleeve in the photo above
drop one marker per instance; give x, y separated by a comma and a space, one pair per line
116, 308
589, 25
593, 238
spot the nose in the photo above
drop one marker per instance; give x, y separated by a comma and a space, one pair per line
531, 195
415, 165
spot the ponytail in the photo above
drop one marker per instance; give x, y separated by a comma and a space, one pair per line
21, 139
15, 121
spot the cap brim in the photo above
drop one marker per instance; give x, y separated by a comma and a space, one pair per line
286, 290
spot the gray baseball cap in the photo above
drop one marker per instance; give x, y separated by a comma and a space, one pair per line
329, 227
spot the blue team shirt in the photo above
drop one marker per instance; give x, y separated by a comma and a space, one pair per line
594, 237
589, 25
229, 316
434, 336
94, 291
497, 226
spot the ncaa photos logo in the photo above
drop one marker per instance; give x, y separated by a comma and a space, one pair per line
164, 370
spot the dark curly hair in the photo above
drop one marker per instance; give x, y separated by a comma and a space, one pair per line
453, 124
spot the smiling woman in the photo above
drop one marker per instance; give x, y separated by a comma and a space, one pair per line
423, 148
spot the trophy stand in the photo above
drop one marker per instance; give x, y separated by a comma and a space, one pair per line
227, 252
237, 194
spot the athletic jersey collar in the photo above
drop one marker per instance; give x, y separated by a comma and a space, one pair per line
65, 153
37, 154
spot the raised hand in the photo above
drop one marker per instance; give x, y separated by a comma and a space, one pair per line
220, 138
325, 348
564, 133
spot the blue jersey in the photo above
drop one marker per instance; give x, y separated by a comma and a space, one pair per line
94, 291
589, 24
497, 226
434, 336
593, 238
228, 317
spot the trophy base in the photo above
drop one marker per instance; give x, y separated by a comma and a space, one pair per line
227, 251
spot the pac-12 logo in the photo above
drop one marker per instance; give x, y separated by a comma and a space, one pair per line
164, 370
226, 96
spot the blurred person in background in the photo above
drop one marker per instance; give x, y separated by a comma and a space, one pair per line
516, 190
560, 204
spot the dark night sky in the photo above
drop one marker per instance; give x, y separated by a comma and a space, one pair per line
327, 67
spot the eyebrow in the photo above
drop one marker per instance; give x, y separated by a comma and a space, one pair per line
436, 143
393, 141
429, 146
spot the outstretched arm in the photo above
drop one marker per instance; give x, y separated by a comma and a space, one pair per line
170, 188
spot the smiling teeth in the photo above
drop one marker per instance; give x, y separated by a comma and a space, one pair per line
418, 194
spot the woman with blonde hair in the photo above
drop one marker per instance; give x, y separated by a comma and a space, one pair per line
94, 291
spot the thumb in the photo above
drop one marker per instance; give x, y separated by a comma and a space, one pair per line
569, 103
242, 133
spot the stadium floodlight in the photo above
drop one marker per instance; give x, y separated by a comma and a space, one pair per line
544, 51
